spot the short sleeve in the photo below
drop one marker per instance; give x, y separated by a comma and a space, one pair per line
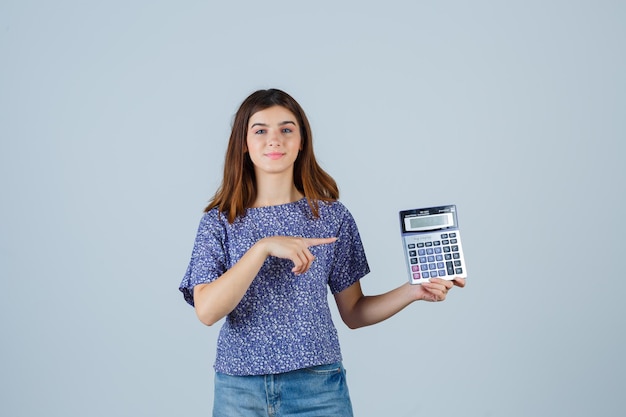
349, 260
208, 257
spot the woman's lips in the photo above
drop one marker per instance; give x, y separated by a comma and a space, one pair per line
274, 155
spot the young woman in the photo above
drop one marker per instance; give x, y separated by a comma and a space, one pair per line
271, 241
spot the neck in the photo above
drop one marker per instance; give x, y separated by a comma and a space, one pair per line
273, 190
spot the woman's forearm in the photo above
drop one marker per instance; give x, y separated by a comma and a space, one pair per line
215, 300
358, 310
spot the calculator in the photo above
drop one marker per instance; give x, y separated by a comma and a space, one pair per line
432, 243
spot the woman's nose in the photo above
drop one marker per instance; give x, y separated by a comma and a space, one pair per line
273, 138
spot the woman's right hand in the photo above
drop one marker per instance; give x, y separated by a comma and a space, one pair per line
293, 248
216, 299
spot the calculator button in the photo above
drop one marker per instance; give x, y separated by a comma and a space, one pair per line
439, 257
416, 275
415, 268
455, 248
431, 259
432, 266
412, 253
420, 245
445, 242
442, 273
458, 271
421, 252
413, 260
411, 245
430, 251
440, 265
450, 268
446, 249
429, 244
456, 255
422, 259
437, 243
447, 256
444, 235
457, 263
425, 274
452, 235
453, 241
437, 250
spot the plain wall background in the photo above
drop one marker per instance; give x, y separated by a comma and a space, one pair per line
114, 118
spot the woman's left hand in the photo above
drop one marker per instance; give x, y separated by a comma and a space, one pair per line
437, 288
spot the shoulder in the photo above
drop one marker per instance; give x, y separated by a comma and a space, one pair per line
335, 208
213, 221
211, 216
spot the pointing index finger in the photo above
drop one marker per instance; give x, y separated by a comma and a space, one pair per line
314, 241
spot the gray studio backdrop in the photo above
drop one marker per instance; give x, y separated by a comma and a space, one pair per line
114, 118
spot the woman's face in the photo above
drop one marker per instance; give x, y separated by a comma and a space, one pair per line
273, 140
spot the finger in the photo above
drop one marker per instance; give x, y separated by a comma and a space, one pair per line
436, 290
445, 283
314, 241
308, 260
303, 261
299, 260
459, 282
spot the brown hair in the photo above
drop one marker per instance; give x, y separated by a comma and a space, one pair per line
238, 189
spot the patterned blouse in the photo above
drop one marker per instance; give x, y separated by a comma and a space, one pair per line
283, 322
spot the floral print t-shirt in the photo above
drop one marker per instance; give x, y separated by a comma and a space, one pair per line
283, 322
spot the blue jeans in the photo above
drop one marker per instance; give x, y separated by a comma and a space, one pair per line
311, 392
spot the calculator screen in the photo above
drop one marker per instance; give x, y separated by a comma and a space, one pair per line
428, 222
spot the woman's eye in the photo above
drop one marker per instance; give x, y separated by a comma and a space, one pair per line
260, 131
287, 130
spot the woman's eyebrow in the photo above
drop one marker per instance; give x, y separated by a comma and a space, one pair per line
286, 122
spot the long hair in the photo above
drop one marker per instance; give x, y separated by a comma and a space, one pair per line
238, 189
